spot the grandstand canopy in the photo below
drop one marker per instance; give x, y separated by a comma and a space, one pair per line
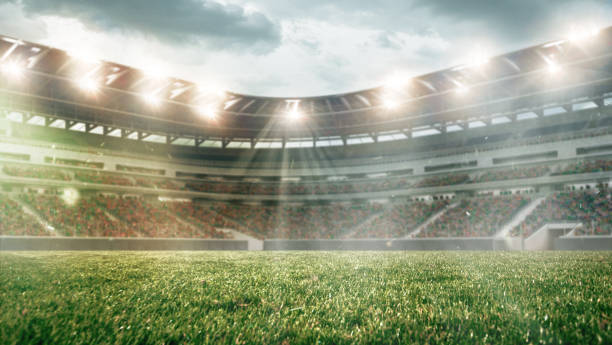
120, 100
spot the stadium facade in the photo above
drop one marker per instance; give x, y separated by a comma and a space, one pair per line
511, 152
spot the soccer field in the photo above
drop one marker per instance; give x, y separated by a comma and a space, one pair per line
305, 298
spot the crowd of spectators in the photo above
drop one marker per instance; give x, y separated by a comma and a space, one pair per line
399, 219
475, 217
513, 173
587, 166
205, 218
35, 172
299, 222
102, 177
14, 221
443, 180
310, 188
107, 216
592, 209
135, 217
144, 182
147, 219
84, 218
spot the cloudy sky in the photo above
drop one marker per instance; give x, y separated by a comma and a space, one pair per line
295, 47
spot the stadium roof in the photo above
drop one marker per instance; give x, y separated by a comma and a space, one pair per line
77, 89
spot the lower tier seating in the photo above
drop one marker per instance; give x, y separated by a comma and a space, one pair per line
592, 209
15, 222
96, 215
481, 216
399, 220
299, 222
116, 217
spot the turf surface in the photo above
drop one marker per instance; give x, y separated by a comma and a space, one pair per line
305, 298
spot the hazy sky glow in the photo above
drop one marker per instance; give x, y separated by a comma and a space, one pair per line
295, 48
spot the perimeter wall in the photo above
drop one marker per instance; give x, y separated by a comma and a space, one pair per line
75, 243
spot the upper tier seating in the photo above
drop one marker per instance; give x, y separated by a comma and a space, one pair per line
480, 216
513, 173
443, 180
104, 178
298, 188
589, 166
15, 222
592, 209
35, 172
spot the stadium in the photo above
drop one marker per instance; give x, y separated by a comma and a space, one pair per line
465, 205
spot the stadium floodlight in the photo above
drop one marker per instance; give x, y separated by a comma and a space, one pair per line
293, 110
553, 67
12, 69
151, 99
208, 111
390, 103
462, 89
294, 115
88, 85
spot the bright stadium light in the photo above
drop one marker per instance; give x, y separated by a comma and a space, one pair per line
208, 111
152, 99
293, 110
390, 103
294, 115
462, 89
553, 67
88, 85
12, 69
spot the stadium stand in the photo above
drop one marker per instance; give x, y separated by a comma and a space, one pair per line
445, 180
84, 218
35, 172
299, 222
103, 178
513, 173
299, 188
339, 175
592, 209
15, 222
475, 217
586, 166
399, 220
147, 219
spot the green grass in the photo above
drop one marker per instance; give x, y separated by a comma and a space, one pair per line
305, 298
